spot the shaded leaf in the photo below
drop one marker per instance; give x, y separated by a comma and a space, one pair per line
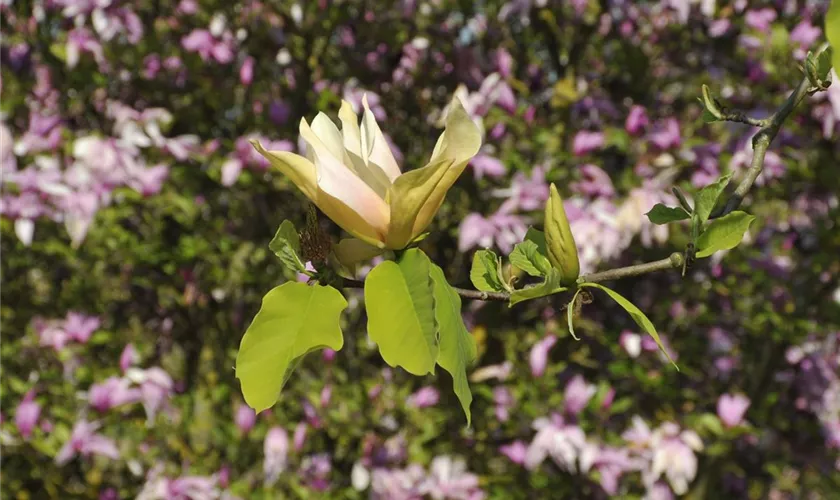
485, 275
527, 256
661, 214
570, 314
549, 286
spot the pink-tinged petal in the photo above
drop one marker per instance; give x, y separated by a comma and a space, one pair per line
374, 146
539, 355
368, 214
371, 173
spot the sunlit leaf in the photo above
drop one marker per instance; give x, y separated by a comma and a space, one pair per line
832, 32
286, 246
708, 197
549, 286
661, 214
527, 256
294, 319
724, 233
400, 304
485, 272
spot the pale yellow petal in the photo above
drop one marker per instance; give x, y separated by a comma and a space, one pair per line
350, 132
325, 129
409, 194
370, 173
350, 252
375, 148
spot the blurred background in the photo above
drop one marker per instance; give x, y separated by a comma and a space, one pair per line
136, 220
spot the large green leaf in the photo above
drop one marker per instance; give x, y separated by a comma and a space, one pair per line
636, 313
527, 256
832, 32
661, 214
724, 233
708, 197
550, 285
485, 275
400, 303
457, 346
286, 245
294, 319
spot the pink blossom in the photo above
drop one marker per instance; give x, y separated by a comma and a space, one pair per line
245, 418
299, 438
246, 72
449, 478
80, 327
484, 164
674, 456
525, 193
156, 386
515, 451
503, 400
84, 441
805, 33
586, 142
129, 357
315, 471
27, 414
424, 398
666, 134
503, 229
113, 392
275, 454
504, 62
594, 182
538, 358
561, 442
208, 46
81, 40
577, 395
760, 19
500, 371
731, 409
637, 120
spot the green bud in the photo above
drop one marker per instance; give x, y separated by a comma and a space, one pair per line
559, 242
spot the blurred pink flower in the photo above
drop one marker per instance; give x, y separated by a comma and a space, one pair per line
500, 372
159, 487
538, 358
245, 418
129, 357
731, 409
483, 164
504, 62
156, 387
246, 72
515, 451
299, 438
666, 134
315, 471
80, 327
586, 142
275, 454
631, 342
503, 399
673, 455
85, 442
637, 120
449, 478
760, 19
503, 229
563, 443
424, 398
113, 392
594, 182
79, 41
27, 414
577, 395
208, 46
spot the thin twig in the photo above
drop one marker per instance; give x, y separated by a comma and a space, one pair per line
463, 292
675, 261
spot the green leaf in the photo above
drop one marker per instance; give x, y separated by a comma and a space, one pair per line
570, 314
294, 319
286, 246
485, 274
457, 346
400, 303
527, 256
549, 286
724, 233
637, 315
660, 214
708, 197
832, 32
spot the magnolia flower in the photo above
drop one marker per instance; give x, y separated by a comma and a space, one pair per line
276, 452
26, 415
352, 176
731, 409
111, 393
85, 442
245, 418
424, 398
515, 451
538, 357
577, 395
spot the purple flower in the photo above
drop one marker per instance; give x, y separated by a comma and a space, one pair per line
111, 393
156, 387
299, 438
27, 414
577, 395
82, 40
805, 33
504, 62
502, 228
503, 400
594, 182
80, 327
449, 478
483, 164
246, 72
666, 134
129, 357
158, 487
209, 47
525, 193
315, 471
538, 358
424, 398
585, 142
275, 454
637, 120
515, 451
731, 409
563, 443
760, 19
245, 418
85, 442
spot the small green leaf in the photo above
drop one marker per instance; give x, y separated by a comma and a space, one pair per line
570, 314
549, 286
457, 346
681, 197
660, 214
286, 246
832, 32
708, 197
400, 303
527, 256
724, 233
294, 319
711, 110
485, 272
824, 64
635, 313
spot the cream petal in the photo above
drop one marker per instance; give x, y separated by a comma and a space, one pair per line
350, 132
336, 180
325, 129
374, 146
370, 173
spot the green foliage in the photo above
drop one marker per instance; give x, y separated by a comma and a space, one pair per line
708, 197
294, 319
724, 233
457, 346
635, 313
832, 32
286, 246
661, 214
400, 304
549, 286
486, 272
528, 257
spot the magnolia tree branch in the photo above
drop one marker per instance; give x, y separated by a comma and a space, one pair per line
770, 127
